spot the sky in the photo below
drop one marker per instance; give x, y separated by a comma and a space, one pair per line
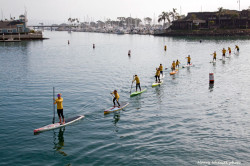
58, 11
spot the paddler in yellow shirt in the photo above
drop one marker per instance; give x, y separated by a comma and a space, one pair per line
214, 56
188, 60
177, 64
229, 50
116, 98
237, 47
59, 102
137, 82
157, 75
173, 66
161, 69
224, 53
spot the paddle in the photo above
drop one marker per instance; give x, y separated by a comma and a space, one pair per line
116, 100
131, 85
53, 121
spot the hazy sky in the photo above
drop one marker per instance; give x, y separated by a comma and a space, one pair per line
58, 11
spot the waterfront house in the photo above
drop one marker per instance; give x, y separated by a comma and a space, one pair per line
14, 26
227, 19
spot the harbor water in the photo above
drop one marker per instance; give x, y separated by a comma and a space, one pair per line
184, 121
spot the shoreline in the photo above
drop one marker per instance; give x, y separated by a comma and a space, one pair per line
29, 36
206, 33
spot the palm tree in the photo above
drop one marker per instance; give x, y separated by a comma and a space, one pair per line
163, 16
174, 14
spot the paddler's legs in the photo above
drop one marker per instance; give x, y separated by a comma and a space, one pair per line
159, 79
114, 101
156, 78
162, 73
60, 115
118, 102
138, 85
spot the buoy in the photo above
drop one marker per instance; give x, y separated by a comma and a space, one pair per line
165, 47
211, 77
93, 45
68, 41
129, 52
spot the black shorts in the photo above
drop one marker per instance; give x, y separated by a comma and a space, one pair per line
224, 55
60, 113
161, 72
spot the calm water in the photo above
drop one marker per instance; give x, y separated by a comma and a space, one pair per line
185, 121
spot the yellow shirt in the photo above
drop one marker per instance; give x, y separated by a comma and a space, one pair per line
177, 63
237, 47
116, 95
59, 103
158, 72
229, 49
189, 59
224, 51
173, 64
137, 80
161, 68
214, 55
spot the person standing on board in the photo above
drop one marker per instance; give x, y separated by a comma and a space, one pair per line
177, 64
157, 75
137, 82
188, 60
173, 66
229, 50
237, 47
224, 53
161, 69
116, 98
214, 56
59, 102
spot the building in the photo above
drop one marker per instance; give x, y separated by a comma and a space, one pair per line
14, 26
226, 19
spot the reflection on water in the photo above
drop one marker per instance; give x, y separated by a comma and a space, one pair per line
116, 120
211, 87
60, 144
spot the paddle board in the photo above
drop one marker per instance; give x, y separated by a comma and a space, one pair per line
137, 93
174, 72
188, 65
58, 125
156, 84
116, 108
